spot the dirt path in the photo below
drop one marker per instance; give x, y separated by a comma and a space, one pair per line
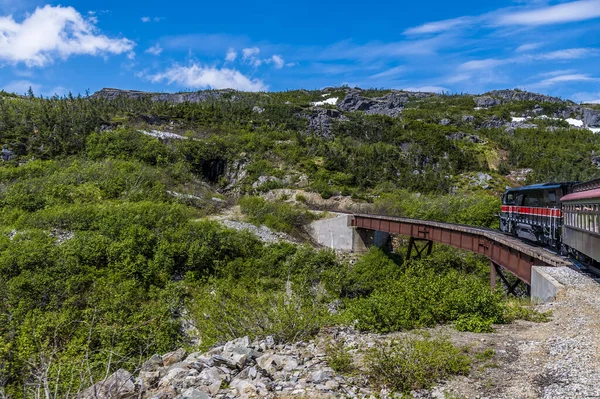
558, 359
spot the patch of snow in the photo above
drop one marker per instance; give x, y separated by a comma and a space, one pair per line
330, 101
477, 108
594, 129
162, 135
324, 95
518, 119
574, 122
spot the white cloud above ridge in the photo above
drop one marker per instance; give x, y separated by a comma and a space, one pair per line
207, 77
558, 55
427, 89
54, 32
574, 11
21, 87
560, 79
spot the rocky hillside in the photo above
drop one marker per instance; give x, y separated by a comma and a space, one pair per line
135, 224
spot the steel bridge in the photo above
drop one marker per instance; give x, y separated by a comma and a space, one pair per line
507, 254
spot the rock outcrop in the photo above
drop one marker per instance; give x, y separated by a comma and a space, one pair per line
192, 97
390, 105
320, 121
519, 95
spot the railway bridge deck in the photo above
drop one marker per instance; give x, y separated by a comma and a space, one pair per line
505, 252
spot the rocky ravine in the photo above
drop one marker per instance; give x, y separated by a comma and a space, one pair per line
558, 359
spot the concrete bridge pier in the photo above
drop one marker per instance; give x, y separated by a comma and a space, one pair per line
338, 233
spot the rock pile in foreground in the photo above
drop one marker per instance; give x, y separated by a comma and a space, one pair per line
238, 369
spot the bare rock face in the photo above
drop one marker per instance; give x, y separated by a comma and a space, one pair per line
390, 105
320, 121
486, 101
591, 117
119, 385
518, 95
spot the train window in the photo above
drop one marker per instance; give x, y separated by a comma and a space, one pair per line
509, 199
552, 196
531, 200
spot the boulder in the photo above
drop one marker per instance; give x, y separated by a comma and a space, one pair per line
119, 385
153, 364
237, 343
320, 376
193, 393
174, 357
212, 375
243, 387
6, 155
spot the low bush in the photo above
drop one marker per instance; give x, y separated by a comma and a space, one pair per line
338, 357
414, 363
278, 216
224, 310
424, 297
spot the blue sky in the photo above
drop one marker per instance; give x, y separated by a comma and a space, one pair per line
457, 46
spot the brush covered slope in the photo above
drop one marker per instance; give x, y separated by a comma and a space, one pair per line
107, 255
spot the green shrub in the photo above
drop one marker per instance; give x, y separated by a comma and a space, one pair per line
372, 270
226, 310
338, 357
474, 323
424, 297
279, 216
414, 363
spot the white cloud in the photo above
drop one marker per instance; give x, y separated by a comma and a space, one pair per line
199, 76
484, 64
542, 15
146, 19
250, 56
439, 26
231, 55
278, 61
155, 50
389, 73
528, 47
427, 89
561, 13
249, 53
566, 79
568, 54
54, 32
21, 87
565, 54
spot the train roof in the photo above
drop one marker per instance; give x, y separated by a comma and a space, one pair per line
582, 195
541, 186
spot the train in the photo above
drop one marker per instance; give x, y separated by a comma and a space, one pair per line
562, 216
